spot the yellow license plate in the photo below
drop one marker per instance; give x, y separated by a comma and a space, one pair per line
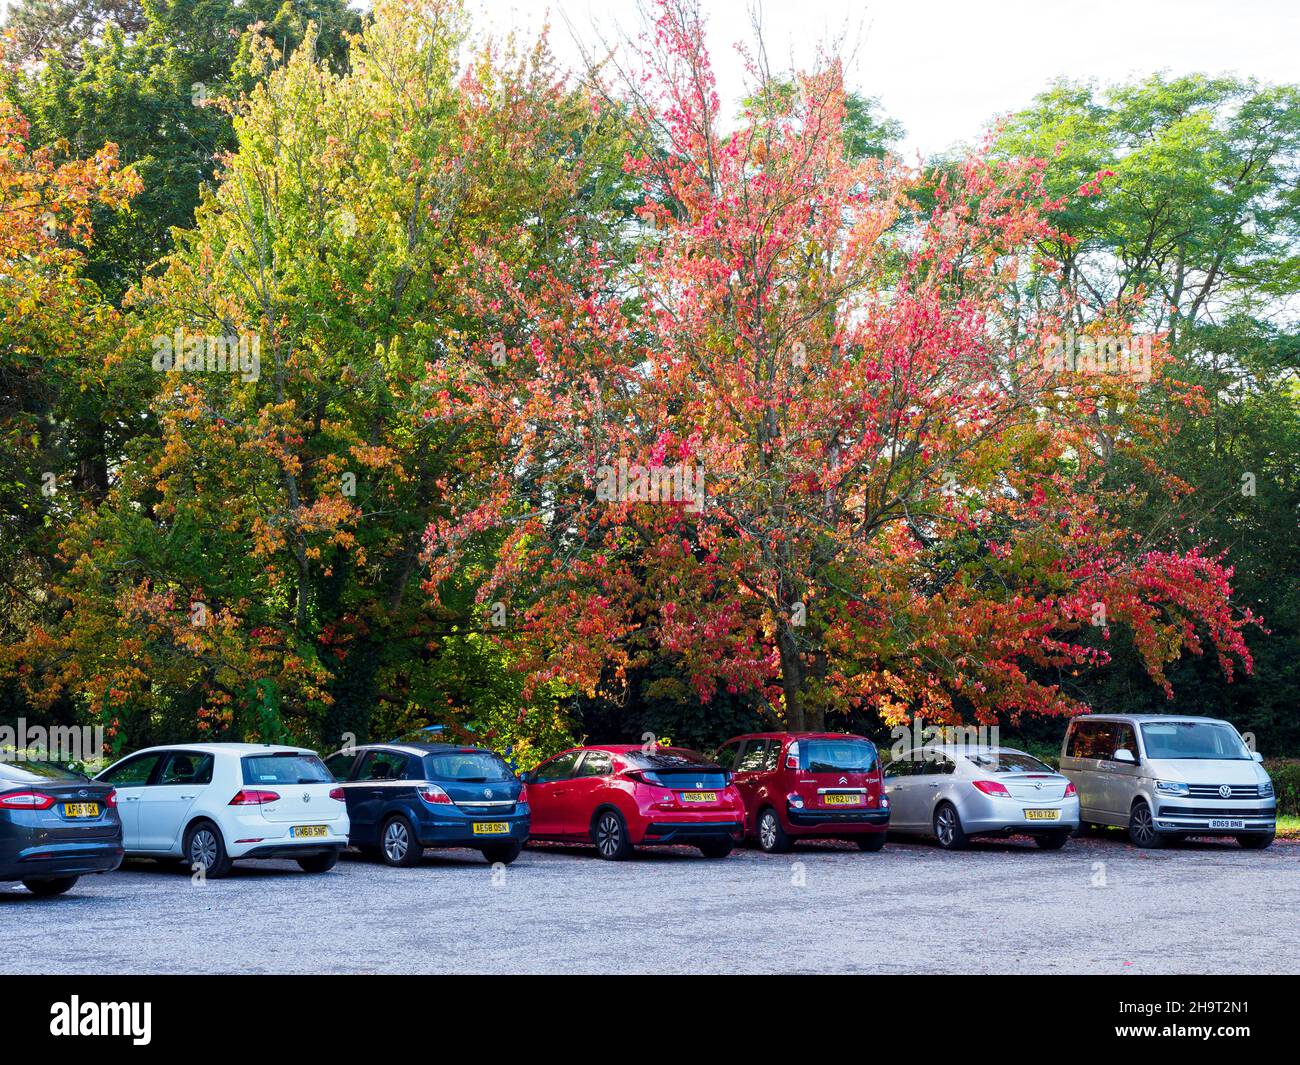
842, 800
699, 796
1042, 815
308, 831
81, 809
490, 828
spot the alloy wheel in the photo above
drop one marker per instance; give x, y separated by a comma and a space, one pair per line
945, 826
608, 835
396, 841
767, 830
203, 849
1144, 830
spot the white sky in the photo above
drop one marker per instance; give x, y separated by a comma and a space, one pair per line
945, 68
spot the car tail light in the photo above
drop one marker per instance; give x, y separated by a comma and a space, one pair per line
523, 795
792, 756
26, 800
1070, 789
111, 798
338, 793
253, 797
434, 795
992, 787
643, 777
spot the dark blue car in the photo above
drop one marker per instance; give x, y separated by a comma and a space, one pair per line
404, 797
55, 826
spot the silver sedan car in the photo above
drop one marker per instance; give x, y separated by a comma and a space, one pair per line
956, 792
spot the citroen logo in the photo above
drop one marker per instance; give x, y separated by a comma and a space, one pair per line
1225, 792
844, 780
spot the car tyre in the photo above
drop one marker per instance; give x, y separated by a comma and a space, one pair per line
609, 834
1142, 827
397, 843
1257, 841
504, 853
772, 836
319, 863
875, 841
205, 848
947, 828
716, 848
46, 888
1053, 841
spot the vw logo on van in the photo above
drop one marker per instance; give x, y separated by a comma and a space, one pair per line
1225, 792
306, 797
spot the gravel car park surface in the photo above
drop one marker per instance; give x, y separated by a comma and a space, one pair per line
1099, 905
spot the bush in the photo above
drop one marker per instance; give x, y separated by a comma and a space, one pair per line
1286, 783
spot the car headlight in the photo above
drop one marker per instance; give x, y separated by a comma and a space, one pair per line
1266, 788
1171, 787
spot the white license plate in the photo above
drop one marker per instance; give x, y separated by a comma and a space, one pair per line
1227, 822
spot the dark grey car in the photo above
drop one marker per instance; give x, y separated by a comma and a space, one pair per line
55, 826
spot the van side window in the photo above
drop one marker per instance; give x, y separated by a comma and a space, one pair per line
1123, 737
1081, 740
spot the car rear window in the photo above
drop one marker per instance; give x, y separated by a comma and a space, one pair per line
285, 769
675, 767
837, 756
32, 771
1010, 762
473, 767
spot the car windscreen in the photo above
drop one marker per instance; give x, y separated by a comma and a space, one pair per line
1010, 762
15, 770
1192, 739
286, 768
838, 756
472, 767
676, 767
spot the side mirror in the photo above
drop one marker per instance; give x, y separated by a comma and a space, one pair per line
1123, 754
527, 778
1257, 756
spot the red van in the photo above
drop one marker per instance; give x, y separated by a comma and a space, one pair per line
808, 785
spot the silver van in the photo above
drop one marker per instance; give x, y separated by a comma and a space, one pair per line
1165, 777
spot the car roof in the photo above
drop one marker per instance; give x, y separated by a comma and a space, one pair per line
421, 748
798, 736
1140, 718
224, 748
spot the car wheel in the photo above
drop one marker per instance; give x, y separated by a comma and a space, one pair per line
398, 845
947, 828
505, 853
1053, 841
1257, 841
57, 886
319, 863
609, 834
1142, 827
206, 850
772, 836
873, 842
716, 848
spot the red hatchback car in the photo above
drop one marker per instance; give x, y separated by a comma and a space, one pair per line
809, 785
619, 796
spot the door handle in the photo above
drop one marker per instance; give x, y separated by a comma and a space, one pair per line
187, 796
934, 785
559, 791
130, 798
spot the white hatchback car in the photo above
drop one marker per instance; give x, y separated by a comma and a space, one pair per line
209, 804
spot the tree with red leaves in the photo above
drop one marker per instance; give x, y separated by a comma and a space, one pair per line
811, 446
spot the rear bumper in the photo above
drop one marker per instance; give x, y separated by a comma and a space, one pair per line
305, 849
858, 819
685, 831
61, 859
458, 830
